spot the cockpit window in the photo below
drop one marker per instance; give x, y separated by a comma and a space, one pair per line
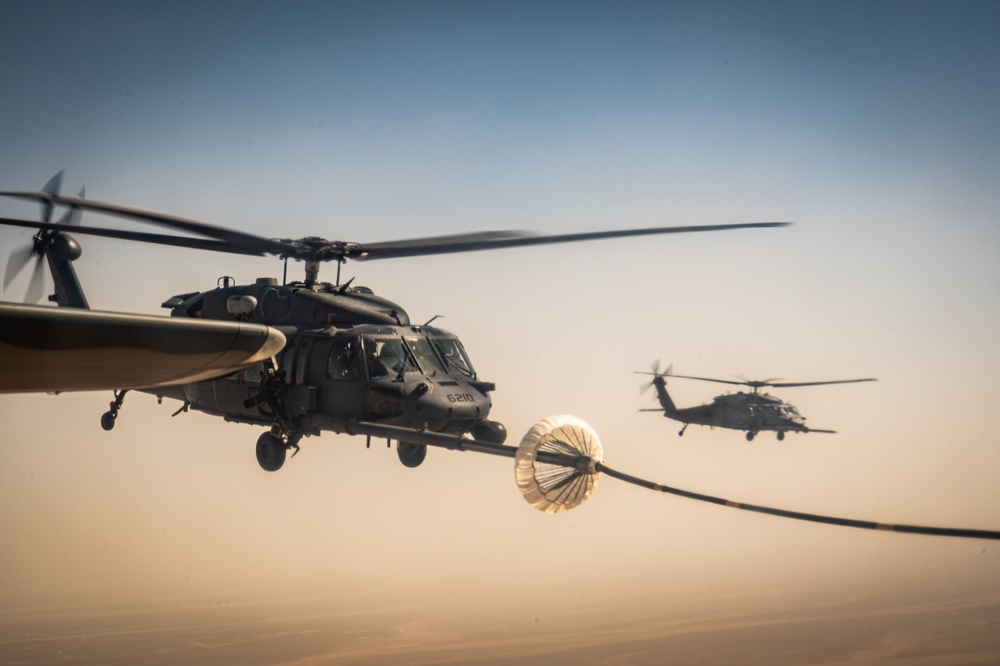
343, 362
426, 358
455, 356
387, 356
790, 410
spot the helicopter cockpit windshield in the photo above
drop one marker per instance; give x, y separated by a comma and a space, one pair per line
789, 411
430, 356
388, 356
428, 361
454, 355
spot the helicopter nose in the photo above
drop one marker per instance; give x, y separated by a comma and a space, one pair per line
428, 403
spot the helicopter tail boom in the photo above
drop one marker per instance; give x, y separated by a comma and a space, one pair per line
666, 402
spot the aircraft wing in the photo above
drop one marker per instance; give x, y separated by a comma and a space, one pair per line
65, 349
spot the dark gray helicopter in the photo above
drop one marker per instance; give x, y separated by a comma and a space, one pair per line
750, 411
303, 357
344, 353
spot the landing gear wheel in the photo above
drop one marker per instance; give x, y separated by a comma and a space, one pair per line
270, 452
781, 436
750, 436
108, 420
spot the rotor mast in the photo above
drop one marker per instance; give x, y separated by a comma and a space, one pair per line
312, 271
313, 251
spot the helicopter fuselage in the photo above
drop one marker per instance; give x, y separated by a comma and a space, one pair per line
752, 411
351, 355
749, 411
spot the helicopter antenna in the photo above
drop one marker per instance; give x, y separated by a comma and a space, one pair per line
428, 322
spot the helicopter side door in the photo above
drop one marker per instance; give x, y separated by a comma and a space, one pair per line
335, 367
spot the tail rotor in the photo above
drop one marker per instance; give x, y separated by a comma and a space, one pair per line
654, 370
19, 258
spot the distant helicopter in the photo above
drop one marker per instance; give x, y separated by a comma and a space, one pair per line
753, 412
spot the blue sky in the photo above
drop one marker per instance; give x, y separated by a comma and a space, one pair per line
488, 97
871, 125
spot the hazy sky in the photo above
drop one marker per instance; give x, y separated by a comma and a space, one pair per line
871, 125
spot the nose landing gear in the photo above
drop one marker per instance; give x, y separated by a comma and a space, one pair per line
272, 447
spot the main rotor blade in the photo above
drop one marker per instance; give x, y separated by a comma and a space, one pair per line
836, 381
322, 250
710, 379
160, 239
492, 240
767, 382
73, 214
433, 244
798, 515
237, 238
